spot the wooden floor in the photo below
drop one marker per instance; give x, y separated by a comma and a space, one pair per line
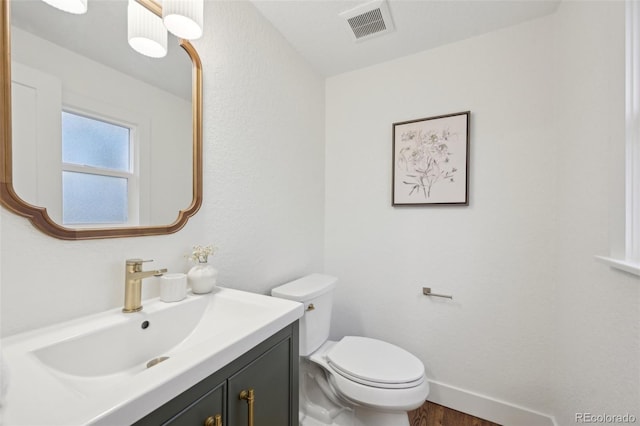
431, 414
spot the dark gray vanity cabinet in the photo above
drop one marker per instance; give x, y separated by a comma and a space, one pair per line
203, 411
268, 376
268, 372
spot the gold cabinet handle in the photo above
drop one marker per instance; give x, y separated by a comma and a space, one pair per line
310, 307
248, 396
213, 421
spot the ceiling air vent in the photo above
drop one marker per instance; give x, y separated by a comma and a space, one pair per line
369, 19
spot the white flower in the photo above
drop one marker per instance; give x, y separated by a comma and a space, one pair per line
201, 253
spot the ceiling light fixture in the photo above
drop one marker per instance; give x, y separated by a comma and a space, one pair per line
145, 31
184, 18
76, 7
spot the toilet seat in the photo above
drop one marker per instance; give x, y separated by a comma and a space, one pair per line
375, 363
401, 399
376, 395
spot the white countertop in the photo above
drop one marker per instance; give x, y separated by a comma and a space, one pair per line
232, 323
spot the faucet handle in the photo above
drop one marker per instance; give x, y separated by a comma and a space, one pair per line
137, 261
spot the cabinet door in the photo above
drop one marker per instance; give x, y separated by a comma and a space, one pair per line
198, 413
270, 378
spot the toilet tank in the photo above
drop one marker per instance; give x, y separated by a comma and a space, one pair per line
316, 292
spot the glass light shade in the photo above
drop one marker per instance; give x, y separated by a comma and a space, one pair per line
76, 7
184, 18
146, 34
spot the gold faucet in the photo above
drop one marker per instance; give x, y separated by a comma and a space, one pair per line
133, 284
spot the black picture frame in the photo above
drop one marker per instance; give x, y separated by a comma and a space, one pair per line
431, 161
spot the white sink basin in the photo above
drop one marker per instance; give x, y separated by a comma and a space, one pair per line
93, 370
125, 344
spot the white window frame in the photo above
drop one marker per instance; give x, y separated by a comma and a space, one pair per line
625, 248
632, 166
90, 108
129, 175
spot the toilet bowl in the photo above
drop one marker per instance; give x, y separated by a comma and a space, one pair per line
356, 381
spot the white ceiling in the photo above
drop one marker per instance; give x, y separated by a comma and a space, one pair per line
316, 30
313, 27
101, 35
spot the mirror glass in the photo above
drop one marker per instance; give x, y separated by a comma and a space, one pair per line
102, 136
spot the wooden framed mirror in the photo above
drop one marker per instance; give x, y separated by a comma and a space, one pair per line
152, 183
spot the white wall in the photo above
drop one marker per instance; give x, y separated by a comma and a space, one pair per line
494, 256
263, 192
535, 323
597, 315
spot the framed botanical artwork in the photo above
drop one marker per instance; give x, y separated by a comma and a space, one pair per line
431, 161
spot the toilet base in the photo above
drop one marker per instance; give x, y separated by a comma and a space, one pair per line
367, 417
362, 418
320, 406
310, 421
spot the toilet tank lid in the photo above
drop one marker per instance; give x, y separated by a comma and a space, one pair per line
305, 288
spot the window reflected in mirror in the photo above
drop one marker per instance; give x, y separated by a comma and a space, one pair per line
98, 176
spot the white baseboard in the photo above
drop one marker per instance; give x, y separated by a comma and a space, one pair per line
487, 408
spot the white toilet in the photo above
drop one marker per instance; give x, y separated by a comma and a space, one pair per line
356, 381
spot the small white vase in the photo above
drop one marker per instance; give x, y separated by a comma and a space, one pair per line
202, 278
